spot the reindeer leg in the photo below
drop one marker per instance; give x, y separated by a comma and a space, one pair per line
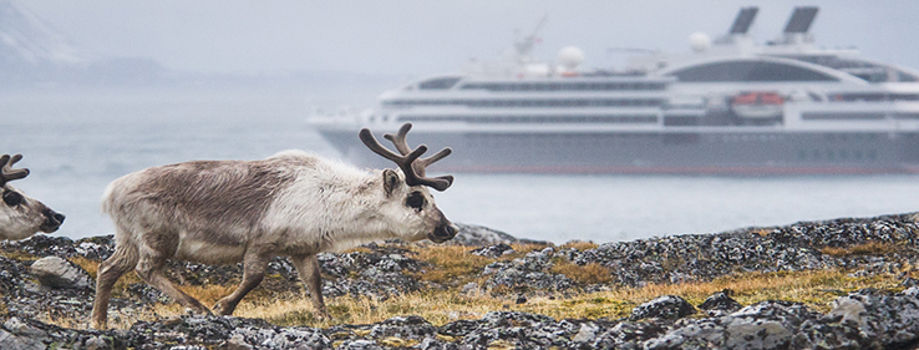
150, 269
254, 266
123, 260
308, 269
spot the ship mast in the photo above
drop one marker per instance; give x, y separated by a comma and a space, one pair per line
524, 46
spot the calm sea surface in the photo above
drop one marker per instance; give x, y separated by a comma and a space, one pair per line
76, 143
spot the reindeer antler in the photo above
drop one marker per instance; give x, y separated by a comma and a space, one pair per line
402, 146
413, 167
7, 173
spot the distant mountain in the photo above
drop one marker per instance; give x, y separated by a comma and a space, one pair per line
26, 40
33, 53
30, 50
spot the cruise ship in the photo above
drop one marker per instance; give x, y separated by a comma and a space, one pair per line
728, 106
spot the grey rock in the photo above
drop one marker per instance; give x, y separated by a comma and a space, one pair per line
55, 272
9, 341
493, 251
668, 307
629, 335
474, 235
887, 319
95, 343
720, 304
409, 327
360, 344
586, 333
237, 342
527, 273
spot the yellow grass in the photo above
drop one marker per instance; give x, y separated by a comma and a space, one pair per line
813, 288
868, 248
454, 266
591, 273
579, 245
762, 232
17, 255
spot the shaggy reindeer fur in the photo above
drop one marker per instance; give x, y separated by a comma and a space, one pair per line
291, 204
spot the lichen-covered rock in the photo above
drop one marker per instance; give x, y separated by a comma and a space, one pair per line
669, 307
629, 335
493, 251
795, 247
889, 319
720, 304
765, 325
409, 327
278, 338
528, 273
382, 271
474, 235
55, 272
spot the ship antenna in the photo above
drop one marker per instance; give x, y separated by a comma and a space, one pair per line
525, 45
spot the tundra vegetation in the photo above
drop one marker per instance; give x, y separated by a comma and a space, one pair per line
518, 294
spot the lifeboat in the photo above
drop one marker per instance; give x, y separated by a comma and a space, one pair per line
757, 105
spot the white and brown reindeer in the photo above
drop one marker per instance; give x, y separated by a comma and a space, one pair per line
291, 204
20, 215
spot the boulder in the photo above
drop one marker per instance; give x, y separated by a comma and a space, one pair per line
720, 304
55, 272
669, 307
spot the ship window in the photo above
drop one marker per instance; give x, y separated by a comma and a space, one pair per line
438, 83
749, 71
562, 86
527, 103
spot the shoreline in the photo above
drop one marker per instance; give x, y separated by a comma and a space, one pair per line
847, 283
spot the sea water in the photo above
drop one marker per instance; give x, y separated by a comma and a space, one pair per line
76, 143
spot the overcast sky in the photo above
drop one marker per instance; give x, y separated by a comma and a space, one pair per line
421, 37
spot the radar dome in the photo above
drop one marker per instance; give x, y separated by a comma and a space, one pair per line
699, 41
570, 57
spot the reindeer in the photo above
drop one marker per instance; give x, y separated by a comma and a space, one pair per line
291, 204
20, 215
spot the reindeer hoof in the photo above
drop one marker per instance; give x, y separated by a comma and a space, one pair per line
223, 308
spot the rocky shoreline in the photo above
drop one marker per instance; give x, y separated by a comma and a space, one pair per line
55, 290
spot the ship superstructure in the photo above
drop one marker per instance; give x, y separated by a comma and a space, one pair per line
729, 106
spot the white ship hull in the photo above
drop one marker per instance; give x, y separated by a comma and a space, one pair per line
686, 152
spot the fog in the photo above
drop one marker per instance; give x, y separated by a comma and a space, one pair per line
415, 38
94, 90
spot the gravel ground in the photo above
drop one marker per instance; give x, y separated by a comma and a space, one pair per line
865, 318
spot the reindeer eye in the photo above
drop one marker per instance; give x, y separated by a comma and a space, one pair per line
12, 198
415, 200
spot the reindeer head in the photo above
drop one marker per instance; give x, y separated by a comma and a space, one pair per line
21, 216
408, 198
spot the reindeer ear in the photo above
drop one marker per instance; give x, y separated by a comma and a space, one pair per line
391, 181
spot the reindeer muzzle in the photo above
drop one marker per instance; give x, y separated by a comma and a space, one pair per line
443, 233
53, 221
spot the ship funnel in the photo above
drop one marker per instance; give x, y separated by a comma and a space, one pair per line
798, 25
801, 20
743, 20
